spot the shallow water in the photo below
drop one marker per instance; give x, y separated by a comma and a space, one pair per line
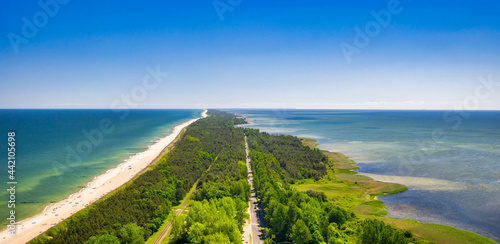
449, 161
55, 158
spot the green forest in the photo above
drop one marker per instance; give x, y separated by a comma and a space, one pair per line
306, 217
220, 202
134, 212
210, 155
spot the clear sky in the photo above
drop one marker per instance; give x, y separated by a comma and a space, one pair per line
250, 54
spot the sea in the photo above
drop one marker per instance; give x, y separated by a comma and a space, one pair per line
57, 152
450, 160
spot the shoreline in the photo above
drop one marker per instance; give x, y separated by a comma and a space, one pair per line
361, 193
373, 188
246, 120
99, 187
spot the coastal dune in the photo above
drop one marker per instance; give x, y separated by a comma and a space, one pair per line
30, 228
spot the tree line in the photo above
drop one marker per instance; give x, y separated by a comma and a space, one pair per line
297, 160
211, 153
144, 203
306, 217
220, 202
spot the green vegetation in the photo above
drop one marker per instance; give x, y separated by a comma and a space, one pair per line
308, 196
307, 217
301, 234
358, 193
375, 231
439, 233
105, 238
146, 201
218, 210
346, 188
130, 233
217, 219
307, 163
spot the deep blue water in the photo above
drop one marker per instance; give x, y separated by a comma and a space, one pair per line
449, 160
55, 157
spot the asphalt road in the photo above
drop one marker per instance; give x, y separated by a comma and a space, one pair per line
256, 214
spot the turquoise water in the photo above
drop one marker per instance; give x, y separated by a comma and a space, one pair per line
450, 161
55, 157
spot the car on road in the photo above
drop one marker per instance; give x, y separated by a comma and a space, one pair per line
243, 237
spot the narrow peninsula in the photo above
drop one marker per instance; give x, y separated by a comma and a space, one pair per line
201, 191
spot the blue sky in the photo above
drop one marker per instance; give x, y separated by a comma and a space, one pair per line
280, 54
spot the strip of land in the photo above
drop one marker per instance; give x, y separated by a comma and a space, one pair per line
210, 157
164, 232
359, 193
252, 231
96, 189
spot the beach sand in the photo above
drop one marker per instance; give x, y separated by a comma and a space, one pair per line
30, 228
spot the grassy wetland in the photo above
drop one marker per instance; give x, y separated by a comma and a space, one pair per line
358, 193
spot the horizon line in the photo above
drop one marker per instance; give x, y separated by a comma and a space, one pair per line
276, 108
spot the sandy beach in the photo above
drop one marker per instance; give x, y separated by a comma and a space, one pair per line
29, 228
